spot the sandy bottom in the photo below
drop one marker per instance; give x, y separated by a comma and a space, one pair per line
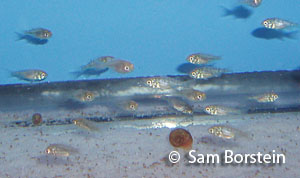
129, 152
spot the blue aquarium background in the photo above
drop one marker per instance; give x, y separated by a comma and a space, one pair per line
155, 35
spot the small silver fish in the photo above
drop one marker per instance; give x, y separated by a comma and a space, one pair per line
85, 95
191, 94
276, 23
265, 98
131, 105
160, 82
94, 67
221, 110
60, 150
31, 75
227, 132
180, 105
200, 58
39, 33
253, 3
121, 66
222, 131
206, 72
102, 63
85, 124
96, 63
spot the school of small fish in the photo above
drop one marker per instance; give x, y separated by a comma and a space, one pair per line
103, 63
179, 97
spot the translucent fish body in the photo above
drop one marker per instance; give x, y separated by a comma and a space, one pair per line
39, 33
276, 23
206, 72
85, 124
265, 98
31, 75
200, 58
221, 110
60, 150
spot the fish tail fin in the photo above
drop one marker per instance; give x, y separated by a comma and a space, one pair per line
251, 98
76, 74
9, 73
225, 70
20, 36
292, 35
188, 83
297, 25
8, 70
292, 25
226, 12
98, 66
218, 58
84, 67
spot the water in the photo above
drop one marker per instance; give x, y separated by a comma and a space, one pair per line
151, 34
156, 36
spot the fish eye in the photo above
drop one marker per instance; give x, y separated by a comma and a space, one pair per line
265, 23
207, 109
43, 75
191, 57
89, 96
275, 96
211, 131
48, 151
193, 73
132, 106
126, 68
149, 82
199, 97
